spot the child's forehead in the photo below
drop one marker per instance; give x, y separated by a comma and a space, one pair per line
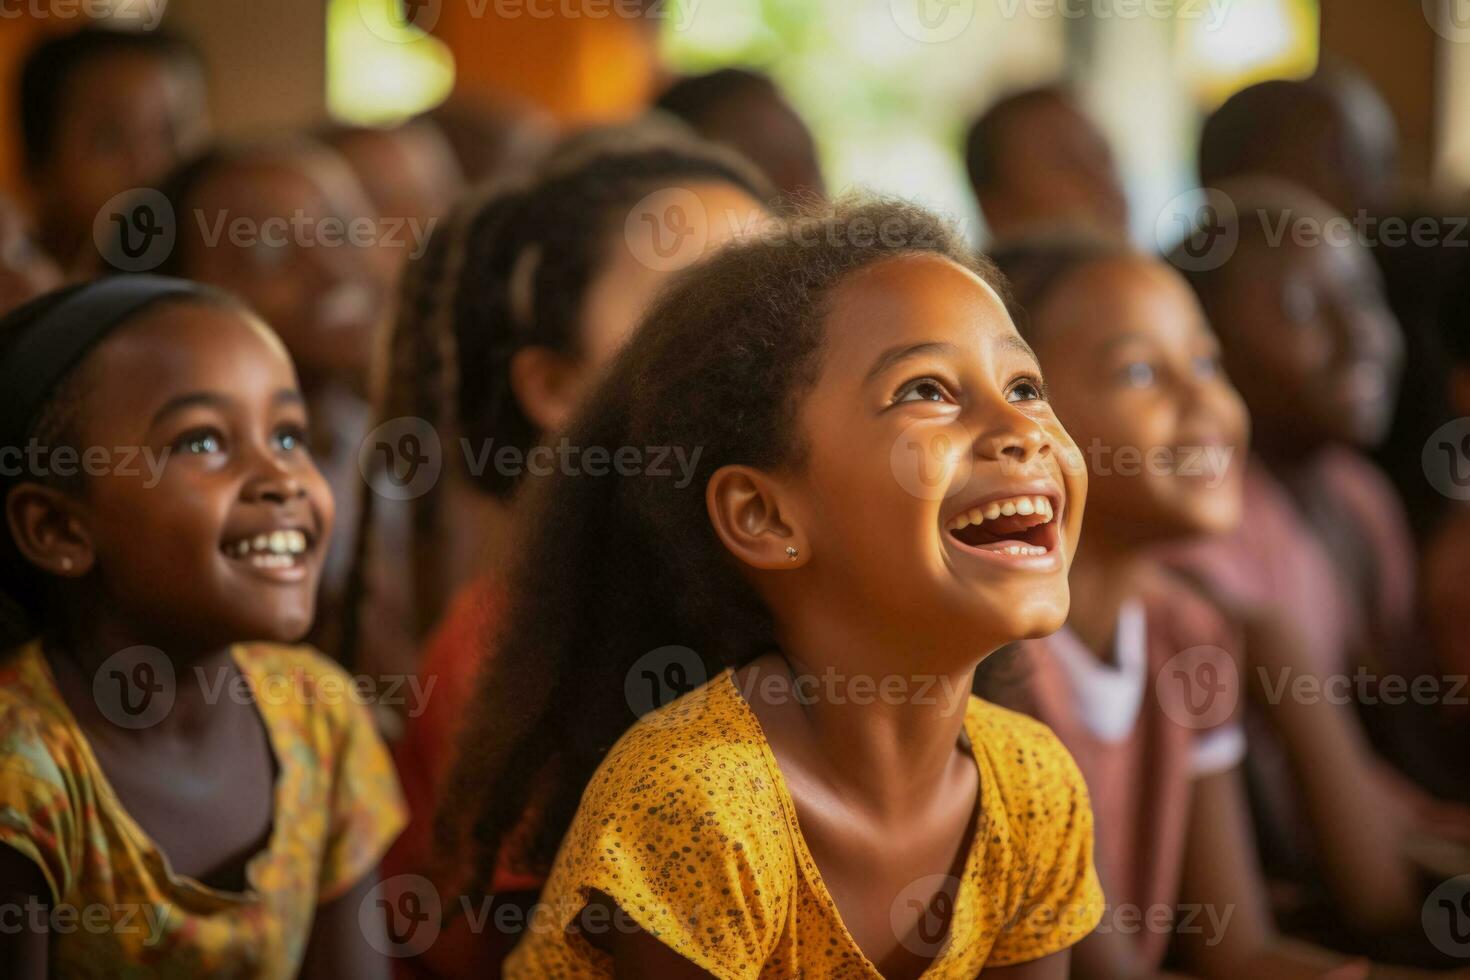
923, 295
190, 341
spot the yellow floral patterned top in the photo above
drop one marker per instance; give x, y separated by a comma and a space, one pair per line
689, 827
337, 808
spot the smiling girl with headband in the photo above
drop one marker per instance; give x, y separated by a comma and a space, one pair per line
182, 794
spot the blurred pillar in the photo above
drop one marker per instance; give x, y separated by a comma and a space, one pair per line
558, 56
1452, 116
1394, 44
1126, 69
266, 59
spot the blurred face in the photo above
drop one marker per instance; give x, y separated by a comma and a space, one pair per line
126, 121
768, 131
1311, 343
25, 271
626, 285
296, 265
227, 545
1137, 381
934, 486
1057, 170
409, 175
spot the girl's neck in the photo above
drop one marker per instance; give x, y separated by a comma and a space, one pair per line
1104, 575
201, 673
879, 734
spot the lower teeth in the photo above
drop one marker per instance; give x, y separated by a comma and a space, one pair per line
1022, 549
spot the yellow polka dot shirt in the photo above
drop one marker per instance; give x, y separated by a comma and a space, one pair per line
688, 826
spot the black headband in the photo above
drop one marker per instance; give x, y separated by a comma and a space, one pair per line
57, 341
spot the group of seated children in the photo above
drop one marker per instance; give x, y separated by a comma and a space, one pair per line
854, 690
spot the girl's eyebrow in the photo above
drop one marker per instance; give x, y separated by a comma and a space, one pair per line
897, 355
1014, 342
209, 399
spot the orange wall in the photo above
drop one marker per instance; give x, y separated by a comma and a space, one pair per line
1393, 44
580, 69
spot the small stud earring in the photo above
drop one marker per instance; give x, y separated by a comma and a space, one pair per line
791, 554
66, 563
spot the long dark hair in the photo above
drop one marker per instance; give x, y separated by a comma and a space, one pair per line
612, 567
510, 268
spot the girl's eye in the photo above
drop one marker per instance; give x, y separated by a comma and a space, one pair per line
1138, 374
201, 442
290, 439
1027, 390
923, 390
1208, 366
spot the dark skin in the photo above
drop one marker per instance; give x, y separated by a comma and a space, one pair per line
139, 564
1055, 170
917, 349
1134, 364
125, 120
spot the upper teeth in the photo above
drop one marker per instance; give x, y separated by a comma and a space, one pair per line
275, 543
1003, 508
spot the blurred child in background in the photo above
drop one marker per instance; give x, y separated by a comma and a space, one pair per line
410, 175
1324, 547
103, 111
1038, 164
525, 294
745, 111
1132, 683
233, 833
1335, 136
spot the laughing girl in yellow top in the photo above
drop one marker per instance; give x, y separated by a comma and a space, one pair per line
882, 496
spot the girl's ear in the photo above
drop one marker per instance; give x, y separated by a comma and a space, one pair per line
744, 506
547, 384
48, 531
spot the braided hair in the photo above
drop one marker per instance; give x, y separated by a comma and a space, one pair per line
510, 268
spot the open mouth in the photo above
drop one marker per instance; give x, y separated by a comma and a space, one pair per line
280, 550
1020, 526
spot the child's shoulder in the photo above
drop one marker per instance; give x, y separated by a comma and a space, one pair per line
1034, 772
307, 687
39, 744
709, 726
1024, 744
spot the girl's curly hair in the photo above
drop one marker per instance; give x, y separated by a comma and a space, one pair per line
612, 567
